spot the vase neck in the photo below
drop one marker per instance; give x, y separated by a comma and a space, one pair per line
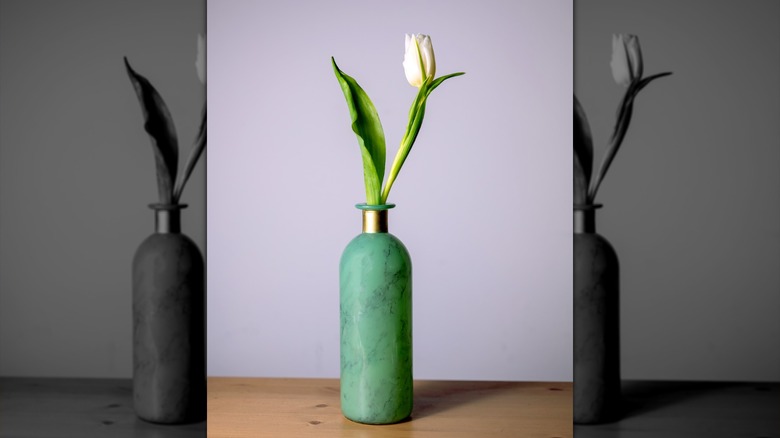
374, 217
585, 218
375, 221
167, 218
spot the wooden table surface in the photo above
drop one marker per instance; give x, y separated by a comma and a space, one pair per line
681, 409
83, 408
262, 407
78, 408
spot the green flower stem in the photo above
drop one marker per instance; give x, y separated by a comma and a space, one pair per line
370, 136
416, 115
195, 153
625, 110
621, 127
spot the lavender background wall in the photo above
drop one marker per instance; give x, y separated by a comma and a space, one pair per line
77, 173
483, 202
691, 203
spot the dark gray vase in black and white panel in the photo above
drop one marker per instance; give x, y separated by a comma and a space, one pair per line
596, 322
169, 318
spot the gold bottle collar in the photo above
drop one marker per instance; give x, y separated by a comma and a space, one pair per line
375, 221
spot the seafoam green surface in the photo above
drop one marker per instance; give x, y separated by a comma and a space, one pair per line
376, 329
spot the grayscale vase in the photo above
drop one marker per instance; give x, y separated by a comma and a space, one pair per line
169, 318
596, 322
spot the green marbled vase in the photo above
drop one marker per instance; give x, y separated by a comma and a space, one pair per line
376, 323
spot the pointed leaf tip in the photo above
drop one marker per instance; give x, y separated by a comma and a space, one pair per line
583, 153
368, 129
162, 132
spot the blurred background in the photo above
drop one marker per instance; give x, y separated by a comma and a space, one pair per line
691, 203
483, 201
77, 172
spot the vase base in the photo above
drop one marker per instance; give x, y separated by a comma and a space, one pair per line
379, 423
604, 414
175, 421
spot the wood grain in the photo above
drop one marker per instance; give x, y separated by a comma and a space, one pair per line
261, 407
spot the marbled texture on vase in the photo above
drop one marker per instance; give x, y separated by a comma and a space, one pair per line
169, 373
376, 329
596, 327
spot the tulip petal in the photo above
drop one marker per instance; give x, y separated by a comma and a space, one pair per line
635, 56
421, 63
629, 63
419, 60
626, 60
368, 129
159, 125
619, 62
412, 63
429, 60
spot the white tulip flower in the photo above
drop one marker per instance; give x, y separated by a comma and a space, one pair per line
626, 59
412, 57
420, 68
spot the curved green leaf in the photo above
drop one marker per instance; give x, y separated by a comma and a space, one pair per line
643, 83
368, 129
416, 115
438, 81
583, 153
159, 125
415, 122
625, 110
192, 160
